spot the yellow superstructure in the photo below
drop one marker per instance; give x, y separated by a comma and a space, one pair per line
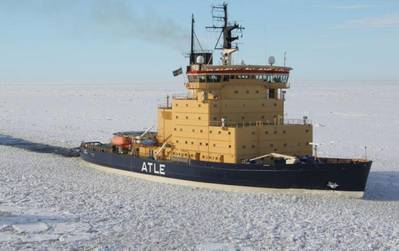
232, 113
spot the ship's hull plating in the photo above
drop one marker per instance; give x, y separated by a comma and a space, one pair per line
340, 177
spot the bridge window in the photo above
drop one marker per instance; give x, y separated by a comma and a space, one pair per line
213, 78
193, 78
273, 78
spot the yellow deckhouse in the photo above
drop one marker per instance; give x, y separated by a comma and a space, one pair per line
232, 113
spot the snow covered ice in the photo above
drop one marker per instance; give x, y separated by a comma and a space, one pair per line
51, 202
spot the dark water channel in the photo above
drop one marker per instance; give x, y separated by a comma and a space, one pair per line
6, 140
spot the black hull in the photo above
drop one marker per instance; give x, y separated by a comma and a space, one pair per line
347, 176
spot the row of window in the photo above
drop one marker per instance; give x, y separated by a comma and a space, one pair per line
201, 131
215, 105
271, 78
220, 132
216, 119
179, 154
229, 146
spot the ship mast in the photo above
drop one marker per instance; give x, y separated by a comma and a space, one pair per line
220, 15
192, 56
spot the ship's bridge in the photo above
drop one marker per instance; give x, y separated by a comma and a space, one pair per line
272, 76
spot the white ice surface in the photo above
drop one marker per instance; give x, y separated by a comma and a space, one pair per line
47, 201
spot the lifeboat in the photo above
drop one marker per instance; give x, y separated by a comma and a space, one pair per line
121, 141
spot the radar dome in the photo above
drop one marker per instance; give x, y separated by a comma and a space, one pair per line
200, 60
271, 60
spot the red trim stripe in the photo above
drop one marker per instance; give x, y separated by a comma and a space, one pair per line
235, 71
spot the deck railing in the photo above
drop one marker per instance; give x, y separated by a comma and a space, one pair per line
260, 123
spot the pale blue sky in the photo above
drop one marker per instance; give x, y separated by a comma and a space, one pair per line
126, 41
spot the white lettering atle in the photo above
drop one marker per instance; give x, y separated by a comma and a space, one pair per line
149, 167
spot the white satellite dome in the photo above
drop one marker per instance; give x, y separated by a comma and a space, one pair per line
200, 59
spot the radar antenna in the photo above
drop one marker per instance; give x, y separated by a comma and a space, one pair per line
220, 18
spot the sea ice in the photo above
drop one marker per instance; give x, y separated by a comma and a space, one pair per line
51, 202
